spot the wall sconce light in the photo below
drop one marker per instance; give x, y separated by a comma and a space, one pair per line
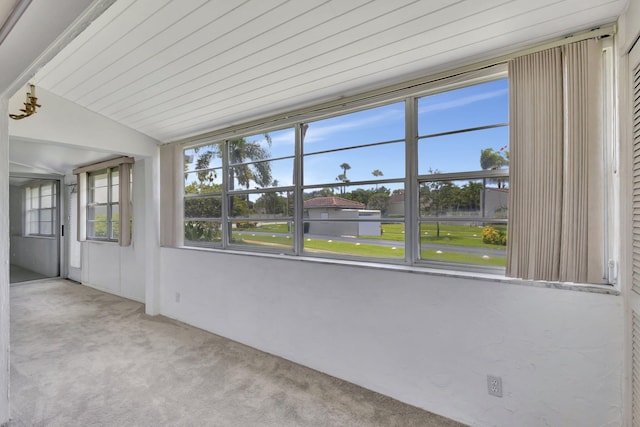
30, 105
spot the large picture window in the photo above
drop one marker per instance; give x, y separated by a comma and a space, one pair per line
504, 169
355, 185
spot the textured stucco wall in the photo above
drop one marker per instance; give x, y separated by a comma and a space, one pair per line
424, 339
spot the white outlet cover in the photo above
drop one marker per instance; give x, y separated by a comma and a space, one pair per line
494, 385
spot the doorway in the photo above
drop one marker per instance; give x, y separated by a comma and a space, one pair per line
34, 227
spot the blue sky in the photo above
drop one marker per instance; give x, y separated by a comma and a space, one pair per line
473, 106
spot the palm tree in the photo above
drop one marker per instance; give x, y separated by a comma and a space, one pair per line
241, 151
492, 160
342, 178
377, 173
345, 167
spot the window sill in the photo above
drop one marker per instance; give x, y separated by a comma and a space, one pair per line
580, 287
35, 236
109, 242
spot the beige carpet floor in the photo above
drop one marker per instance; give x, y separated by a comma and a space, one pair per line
80, 357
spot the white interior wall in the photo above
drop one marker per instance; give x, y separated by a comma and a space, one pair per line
118, 270
426, 340
4, 262
62, 122
105, 266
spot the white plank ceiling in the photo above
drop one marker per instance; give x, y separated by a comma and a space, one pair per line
177, 68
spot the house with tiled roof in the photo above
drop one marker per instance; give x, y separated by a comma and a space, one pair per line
332, 202
332, 208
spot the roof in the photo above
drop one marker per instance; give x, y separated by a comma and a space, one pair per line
332, 202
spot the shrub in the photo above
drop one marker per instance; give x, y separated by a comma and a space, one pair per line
494, 236
243, 225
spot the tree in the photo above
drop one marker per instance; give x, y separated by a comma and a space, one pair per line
436, 197
343, 179
345, 167
343, 176
241, 151
379, 200
492, 160
377, 173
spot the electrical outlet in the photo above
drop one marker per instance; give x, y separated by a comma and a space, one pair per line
494, 385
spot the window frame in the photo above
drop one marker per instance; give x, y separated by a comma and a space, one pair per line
411, 180
109, 204
28, 210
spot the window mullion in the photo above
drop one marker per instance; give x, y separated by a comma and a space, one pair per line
109, 217
226, 224
412, 242
298, 208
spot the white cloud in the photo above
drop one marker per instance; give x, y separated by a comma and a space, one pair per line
460, 102
319, 133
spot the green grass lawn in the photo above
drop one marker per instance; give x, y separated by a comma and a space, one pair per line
364, 250
432, 255
273, 228
460, 235
320, 245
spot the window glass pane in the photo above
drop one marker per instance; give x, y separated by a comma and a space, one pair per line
458, 242
115, 212
35, 198
203, 157
261, 174
99, 195
262, 146
46, 215
97, 213
371, 239
115, 193
263, 234
266, 206
356, 164
379, 124
464, 151
45, 190
115, 176
34, 227
468, 107
98, 179
386, 201
203, 207
46, 202
115, 230
204, 233
97, 229
46, 228
205, 181
465, 198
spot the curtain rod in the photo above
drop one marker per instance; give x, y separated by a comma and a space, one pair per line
295, 116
